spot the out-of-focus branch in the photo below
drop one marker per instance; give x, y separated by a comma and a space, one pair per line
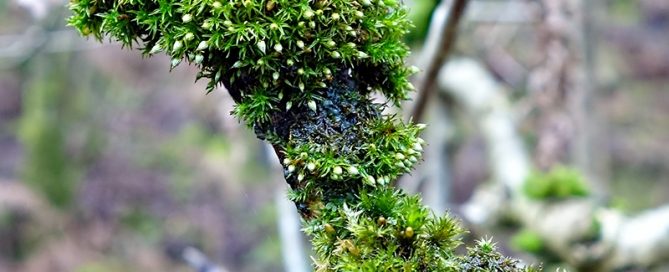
292, 239
192, 256
566, 227
447, 40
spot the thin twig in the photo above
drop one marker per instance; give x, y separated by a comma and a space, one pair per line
445, 45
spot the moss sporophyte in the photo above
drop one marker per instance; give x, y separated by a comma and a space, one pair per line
301, 73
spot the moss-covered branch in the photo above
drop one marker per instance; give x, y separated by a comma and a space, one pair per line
301, 72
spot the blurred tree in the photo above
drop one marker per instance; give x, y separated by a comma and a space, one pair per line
48, 167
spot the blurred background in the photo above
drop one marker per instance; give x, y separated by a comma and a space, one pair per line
110, 162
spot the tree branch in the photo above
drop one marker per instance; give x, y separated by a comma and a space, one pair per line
566, 227
447, 40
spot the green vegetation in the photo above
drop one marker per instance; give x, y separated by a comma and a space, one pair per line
527, 240
559, 183
48, 168
301, 73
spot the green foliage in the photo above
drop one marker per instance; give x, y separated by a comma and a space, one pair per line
47, 168
280, 50
483, 258
528, 241
420, 15
140, 221
385, 229
560, 182
301, 73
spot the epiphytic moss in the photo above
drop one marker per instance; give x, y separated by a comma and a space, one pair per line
301, 73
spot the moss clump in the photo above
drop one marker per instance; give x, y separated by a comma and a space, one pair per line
301, 73
559, 183
527, 240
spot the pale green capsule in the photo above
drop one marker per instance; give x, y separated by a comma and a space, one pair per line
261, 46
337, 170
186, 18
312, 105
177, 45
202, 46
199, 58
156, 49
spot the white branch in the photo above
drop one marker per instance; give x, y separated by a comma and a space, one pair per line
564, 225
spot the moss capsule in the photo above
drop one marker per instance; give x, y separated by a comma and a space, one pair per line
202, 46
156, 49
408, 232
175, 62
382, 221
177, 45
186, 18
270, 5
261, 46
199, 58
417, 147
352, 170
420, 141
329, 229
308, 14
312, 105
370, 180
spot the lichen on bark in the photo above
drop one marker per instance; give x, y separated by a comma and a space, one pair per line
301, 73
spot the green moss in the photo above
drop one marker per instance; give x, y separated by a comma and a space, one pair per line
559, 183
527, 240
301, 73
